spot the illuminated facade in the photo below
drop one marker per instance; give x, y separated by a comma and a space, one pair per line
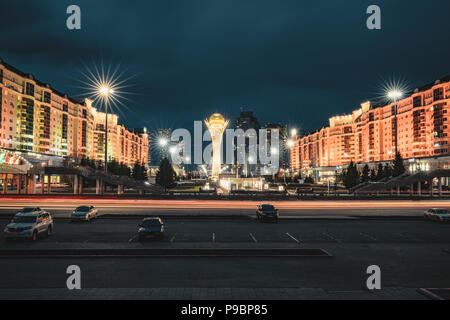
368, 134
216, 126
36, 118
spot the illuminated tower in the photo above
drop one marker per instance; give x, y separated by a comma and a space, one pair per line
216, 126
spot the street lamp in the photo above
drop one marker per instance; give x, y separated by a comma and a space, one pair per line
294, 132
107, 93
105, 86
394, 95
290, 144
163, 142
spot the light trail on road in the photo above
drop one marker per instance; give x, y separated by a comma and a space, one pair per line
221, 204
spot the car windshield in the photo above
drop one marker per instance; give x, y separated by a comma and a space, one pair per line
28, 210
83, 209
24, 219
267, 207
151, 223
442, 211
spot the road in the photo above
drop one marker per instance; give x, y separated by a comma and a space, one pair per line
411, 254
63, 206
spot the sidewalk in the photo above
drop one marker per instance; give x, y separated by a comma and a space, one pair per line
209, 294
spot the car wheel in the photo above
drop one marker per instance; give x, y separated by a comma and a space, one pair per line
34, 237
49, 231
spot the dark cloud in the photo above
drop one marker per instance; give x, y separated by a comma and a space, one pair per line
298, 62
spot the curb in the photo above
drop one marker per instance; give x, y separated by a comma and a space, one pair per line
163, 252
429, 294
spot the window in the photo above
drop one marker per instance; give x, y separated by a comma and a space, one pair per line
29, 89
438, 94
417, 102
47, 97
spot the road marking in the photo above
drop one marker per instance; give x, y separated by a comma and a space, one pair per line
369, 236
331, 237
253, 237
290, 236
132, 239
213, 237
173, 238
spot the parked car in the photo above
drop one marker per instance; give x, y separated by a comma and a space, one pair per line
29, 223
84, 213
442, 215
151, 228
267, 212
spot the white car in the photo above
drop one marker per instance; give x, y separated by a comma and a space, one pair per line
30, 223
84, 213
442, 215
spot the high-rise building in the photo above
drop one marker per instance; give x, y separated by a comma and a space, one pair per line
367, 135
34, 117
247, 121
283, 138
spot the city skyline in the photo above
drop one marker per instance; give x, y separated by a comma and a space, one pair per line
270, 72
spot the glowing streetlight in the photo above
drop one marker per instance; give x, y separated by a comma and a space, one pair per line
394, 94
294, 132
106, 92
104, 86
163, 142
291, 144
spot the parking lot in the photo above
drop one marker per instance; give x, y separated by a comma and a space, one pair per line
247, 230
412, 254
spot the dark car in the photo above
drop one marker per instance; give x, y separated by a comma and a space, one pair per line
151, 228
267, 212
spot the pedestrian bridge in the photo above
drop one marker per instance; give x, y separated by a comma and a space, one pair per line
406, 180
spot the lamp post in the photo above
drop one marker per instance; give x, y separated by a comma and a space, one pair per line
394, 95
106, 92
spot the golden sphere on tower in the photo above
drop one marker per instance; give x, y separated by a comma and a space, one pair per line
216, 117
216, 120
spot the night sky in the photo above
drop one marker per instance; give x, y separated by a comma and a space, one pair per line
292, 61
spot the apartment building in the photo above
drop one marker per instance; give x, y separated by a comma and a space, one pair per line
36, 118
367, 135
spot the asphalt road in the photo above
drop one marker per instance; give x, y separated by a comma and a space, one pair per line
411, 254
62, 207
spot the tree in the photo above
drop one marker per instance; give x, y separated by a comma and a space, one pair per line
166, 175
124, 170
399, 167
387, 171
380, 172
351, 176
373, 175
365, 174
113, 167
139, 172
309, 180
